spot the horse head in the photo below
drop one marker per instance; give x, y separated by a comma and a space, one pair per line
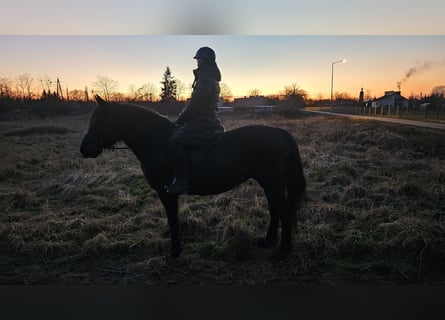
100, 133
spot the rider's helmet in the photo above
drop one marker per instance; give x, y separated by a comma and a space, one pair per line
206, 54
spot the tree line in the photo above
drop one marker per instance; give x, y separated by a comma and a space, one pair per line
24, 87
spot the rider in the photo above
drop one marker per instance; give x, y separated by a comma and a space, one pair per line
197, 125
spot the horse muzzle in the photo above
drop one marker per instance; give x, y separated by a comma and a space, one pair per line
90, 149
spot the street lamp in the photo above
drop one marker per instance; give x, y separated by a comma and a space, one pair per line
332, 77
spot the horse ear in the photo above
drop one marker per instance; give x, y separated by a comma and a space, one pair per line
99, 100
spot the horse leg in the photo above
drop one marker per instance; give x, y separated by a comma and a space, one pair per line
170, 203
272, 231
279, 211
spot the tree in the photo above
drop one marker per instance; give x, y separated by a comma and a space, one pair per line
343, 96
254, 93
368, 95
132, 93
77, 95
147, 92
226, 92
117, 96
295, 96
180, 90
5, 88
294, 89
168, 90
106, 86
437, 99
438, 90
24, 85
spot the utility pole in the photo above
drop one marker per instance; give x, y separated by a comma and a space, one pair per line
59, 89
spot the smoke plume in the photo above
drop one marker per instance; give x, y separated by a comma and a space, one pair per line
418, 69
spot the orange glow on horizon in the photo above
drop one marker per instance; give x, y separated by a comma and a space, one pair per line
260, 63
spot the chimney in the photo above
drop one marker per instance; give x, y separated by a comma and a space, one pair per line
361, 98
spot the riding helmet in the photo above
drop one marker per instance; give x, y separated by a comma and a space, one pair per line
206, 54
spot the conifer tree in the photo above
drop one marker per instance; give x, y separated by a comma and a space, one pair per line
168, 90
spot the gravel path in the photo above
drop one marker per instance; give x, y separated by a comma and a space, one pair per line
433, 125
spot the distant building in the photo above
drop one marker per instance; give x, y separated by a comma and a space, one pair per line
253, 104
250, 102
391, 99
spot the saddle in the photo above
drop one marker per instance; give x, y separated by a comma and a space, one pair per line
197, 141
196, 154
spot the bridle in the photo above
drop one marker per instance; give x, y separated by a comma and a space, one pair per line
104, 133
113, 147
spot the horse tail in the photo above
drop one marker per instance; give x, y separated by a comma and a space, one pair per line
296, 181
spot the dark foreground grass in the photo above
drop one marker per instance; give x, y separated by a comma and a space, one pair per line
374, 215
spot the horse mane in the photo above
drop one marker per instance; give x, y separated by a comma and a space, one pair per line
146, 111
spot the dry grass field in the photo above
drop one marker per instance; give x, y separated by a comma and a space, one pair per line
375, 212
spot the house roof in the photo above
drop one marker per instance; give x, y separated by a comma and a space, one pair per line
392, 94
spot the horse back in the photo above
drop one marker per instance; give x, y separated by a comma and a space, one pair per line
256, 151
258, 144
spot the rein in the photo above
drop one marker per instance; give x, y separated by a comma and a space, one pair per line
110, 119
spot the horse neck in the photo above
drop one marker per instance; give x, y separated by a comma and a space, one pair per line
145, 132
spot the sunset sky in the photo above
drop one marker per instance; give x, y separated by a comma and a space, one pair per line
258, 46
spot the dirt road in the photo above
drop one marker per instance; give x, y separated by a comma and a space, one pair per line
432, 125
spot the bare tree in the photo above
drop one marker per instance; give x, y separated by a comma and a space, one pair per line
5, 88
226, 92
254, 93
438, 90
368, 95
295, 96
24, 85
343, 96
117, 96
294, 89
180, 90
77, 95
147, 92
132, 93
106, 86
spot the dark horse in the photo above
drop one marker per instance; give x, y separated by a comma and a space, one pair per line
267, 154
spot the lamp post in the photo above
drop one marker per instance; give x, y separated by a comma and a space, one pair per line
332, 77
